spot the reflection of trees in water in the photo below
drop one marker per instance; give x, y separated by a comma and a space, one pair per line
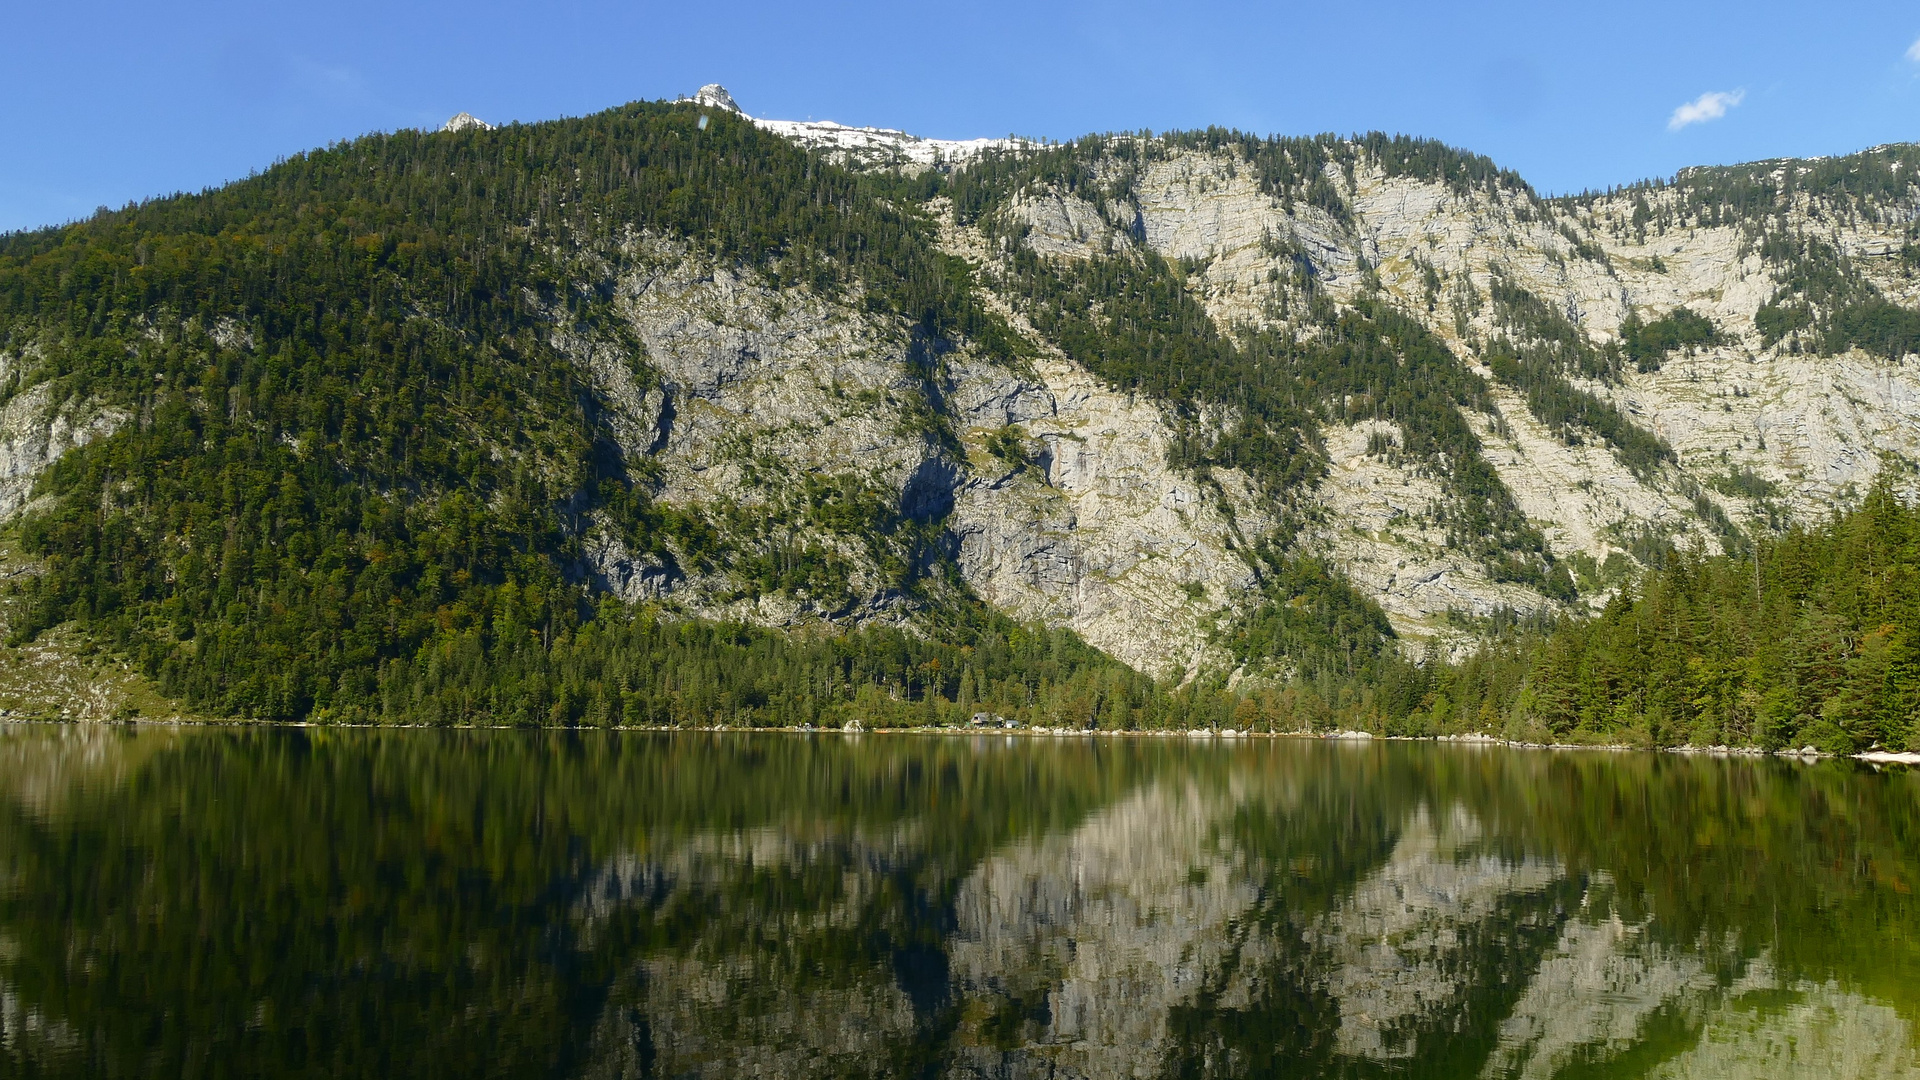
357, 903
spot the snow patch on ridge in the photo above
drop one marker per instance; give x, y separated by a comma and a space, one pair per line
861, 145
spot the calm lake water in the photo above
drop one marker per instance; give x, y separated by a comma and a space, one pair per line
283, 902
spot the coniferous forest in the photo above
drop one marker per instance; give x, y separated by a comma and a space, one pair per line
303, 516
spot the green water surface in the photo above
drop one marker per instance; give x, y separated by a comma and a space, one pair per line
351, 903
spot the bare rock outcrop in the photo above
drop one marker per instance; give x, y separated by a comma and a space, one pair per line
37, 426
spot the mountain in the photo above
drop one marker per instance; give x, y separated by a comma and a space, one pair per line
508, 422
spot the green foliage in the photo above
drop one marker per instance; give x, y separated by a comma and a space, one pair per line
1822, 292
1868, 185
1878, 326
463, 211
1565, 408
358, 471
1383, 365
1315, 620
1820, 289
1130, 320
1776, 320
1744, 482
1842, 315
1432, 160
1815, 282
1009, 444
1806, 639
1648, 344
1809, 638
627, 666
1587, 249
353, 442
992, 179
1549, 336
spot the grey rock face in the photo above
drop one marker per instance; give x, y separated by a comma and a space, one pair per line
715, 96
463, 121
36, 428
1090, 528
740, 396
1817, 428
1097, 531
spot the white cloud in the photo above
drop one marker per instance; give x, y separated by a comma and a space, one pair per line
1708, 106
1913, 52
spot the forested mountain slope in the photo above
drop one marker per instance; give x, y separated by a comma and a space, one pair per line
517, 423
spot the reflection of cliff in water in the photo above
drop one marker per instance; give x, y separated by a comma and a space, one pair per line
1257, 926
1072, 952
44, 766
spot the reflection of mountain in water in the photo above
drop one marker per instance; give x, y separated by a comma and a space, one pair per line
1128, 945
1599, 989
42, 768
553, 905
27, 1031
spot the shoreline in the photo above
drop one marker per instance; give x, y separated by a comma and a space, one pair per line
1807, 753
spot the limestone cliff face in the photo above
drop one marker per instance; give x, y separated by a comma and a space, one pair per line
38, 424
731, 396
1095, 531
734, 397
1805, 433
785, 423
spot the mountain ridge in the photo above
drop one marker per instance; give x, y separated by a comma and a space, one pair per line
1223, 406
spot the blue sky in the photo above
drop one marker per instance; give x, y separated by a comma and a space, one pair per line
101, 103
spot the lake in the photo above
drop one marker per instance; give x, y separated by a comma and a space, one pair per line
229, 902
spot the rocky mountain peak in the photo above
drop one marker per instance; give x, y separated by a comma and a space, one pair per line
713, 95
461, 121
